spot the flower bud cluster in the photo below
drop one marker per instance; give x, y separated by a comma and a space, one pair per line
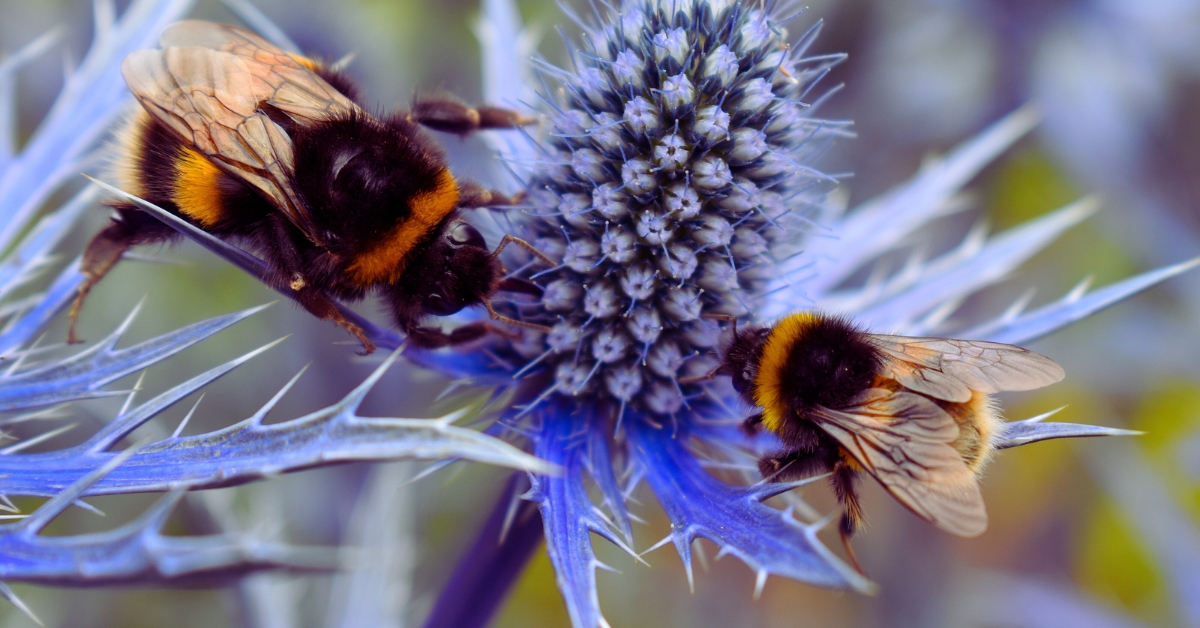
675, 167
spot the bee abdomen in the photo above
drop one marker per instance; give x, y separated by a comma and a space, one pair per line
153, 164
978, 421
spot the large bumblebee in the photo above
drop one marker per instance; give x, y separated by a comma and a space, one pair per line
250, 142
914, 413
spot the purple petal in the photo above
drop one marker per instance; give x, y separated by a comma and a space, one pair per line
769, 541
568, 513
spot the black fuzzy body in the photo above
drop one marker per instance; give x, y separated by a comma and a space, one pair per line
355, 177
830, 363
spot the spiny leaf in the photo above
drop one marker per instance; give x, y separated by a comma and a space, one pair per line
769, 541
82, 375
138, 552
249, 450
1020, 329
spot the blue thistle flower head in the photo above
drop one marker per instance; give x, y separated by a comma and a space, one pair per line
676, 165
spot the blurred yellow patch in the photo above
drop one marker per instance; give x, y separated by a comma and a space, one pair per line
1170, 416
535, 601
1112, 561
1029, 185
1116, 567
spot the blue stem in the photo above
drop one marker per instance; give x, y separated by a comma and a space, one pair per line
488, 570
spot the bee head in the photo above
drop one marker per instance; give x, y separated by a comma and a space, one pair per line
456, 271
742, 360
468, 275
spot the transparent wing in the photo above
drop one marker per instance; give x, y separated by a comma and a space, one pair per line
950, 369
284, 80
906, 442
212, 99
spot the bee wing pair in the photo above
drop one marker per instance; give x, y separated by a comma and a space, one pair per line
906, 440
950, 369
208, 84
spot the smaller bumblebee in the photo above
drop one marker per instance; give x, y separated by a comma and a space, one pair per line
915, 413
254, 144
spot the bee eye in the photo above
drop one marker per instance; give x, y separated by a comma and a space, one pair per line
742, 380
462, 234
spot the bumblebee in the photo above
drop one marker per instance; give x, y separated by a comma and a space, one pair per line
914, 413
255, 144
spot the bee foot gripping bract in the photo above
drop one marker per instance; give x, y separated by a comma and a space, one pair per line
249, 142
914, 413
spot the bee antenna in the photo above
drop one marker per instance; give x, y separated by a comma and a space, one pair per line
696, 379
729, 318
511, 239
512, 321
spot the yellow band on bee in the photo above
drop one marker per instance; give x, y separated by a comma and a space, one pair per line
196, 192
309, 64
768, 384
386, 262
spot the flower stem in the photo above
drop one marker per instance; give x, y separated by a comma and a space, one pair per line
488, 570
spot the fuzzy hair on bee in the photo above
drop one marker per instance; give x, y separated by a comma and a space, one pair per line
271, 149
914, 413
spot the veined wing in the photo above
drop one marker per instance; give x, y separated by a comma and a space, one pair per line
906, 442
213, 100
284, 80
950, 369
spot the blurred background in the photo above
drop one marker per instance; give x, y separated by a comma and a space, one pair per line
1083, 533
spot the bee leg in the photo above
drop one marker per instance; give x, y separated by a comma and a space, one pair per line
285, 260
844, 479
753, 424
471, 195
511, 239
434, 338
512, 321
842, 526
728, 318
129, 227
791, 465
696, 379
448, 114
320, 305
